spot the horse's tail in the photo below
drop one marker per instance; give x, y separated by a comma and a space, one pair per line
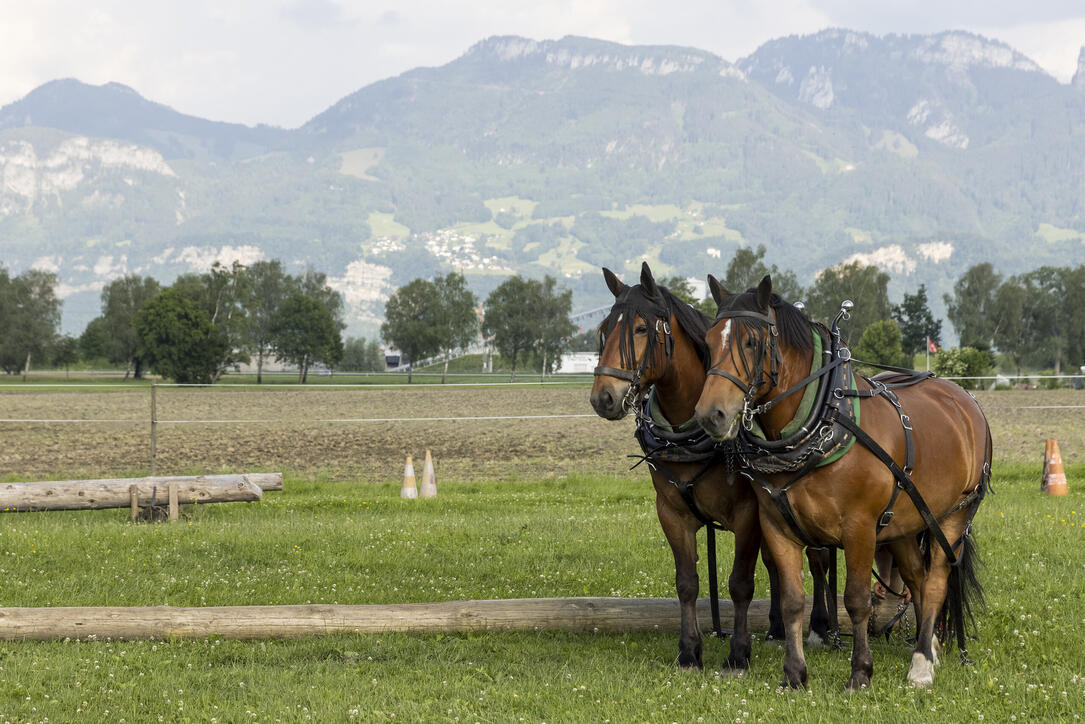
965, 593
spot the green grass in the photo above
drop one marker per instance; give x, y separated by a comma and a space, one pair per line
350, 543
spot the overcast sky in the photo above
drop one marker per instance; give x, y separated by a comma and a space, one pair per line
283, 61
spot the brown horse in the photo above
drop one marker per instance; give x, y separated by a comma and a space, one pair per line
653, 341
926, 437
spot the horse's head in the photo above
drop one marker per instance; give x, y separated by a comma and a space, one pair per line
635, 343
745, 357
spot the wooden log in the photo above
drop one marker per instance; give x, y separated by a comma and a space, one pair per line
116, 492
612, 615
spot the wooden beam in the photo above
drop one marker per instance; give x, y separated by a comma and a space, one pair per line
116, 492
612, 615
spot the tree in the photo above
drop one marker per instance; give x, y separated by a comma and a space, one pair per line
747, 268
510, 321
220, 293
94, 342
525, 317
555, 328
916, 322
178, 339
360, 355
866, 286
65, 351
411, 318
881, 344
456, 322
1013, 330
121, 300
31, 315
306, 333
268, 286
971, 306
962, 362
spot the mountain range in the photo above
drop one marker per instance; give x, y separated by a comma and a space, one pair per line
921, 154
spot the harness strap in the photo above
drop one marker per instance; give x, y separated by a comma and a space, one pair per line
904, 481
617, 372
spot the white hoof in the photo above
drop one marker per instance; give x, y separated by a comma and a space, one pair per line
814, 641
921, 672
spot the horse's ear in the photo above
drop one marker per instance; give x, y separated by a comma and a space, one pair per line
764, 292
647, 281
613, 282
719, 294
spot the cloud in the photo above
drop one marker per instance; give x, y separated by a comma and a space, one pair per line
316, 14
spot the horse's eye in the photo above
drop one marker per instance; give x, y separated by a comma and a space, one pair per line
749, 343
640, 329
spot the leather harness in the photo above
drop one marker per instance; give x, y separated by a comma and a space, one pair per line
828, 433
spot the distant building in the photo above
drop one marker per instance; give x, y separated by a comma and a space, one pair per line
579, 362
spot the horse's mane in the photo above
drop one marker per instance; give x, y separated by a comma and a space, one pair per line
634, 301
791, 322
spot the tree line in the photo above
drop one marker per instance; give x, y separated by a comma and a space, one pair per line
525, 320
205, 324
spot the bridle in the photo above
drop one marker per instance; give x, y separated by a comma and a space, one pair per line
758, 376
634, 377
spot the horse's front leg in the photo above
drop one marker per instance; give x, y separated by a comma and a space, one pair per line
823, 597
776, 621
788, 556
681, 532
747, 530
859, 558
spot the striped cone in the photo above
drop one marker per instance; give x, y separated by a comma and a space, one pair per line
410, 488
429, 479
1055, 479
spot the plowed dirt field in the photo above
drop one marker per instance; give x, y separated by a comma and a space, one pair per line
314, 431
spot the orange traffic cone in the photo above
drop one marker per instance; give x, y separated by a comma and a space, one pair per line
429, 479
1055, 478
410, 488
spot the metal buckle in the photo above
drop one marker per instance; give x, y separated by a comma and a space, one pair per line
886, 518
906, 421
838, 393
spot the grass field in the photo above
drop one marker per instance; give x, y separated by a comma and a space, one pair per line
532, 508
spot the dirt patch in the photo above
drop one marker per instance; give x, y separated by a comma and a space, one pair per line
316, 431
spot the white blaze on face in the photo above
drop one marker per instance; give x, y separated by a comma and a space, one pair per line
725, 336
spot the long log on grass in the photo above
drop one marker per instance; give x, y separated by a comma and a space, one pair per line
612, 615
114, 492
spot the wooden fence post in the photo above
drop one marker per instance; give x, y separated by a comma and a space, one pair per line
154, 428
174, 512
133, 498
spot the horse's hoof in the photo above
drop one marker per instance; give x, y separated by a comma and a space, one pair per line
792, 685
921, 673
775, 640
858, 681
690, 663
733, 672
815, 640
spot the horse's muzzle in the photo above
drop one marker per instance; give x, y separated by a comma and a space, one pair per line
717, 423
607, 403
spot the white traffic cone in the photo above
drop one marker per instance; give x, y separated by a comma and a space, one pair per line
429, 479
410, 488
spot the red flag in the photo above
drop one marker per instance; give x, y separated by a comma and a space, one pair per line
931, 346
